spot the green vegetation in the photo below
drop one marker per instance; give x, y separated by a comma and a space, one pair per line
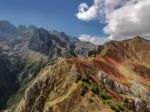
29, 71
101, 92
32, 69
116, 105
85, 79
95, 89
86, 87
105, 96
17, 96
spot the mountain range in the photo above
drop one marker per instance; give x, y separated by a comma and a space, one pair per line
50, 71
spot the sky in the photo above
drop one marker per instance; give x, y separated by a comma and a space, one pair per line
123, 18
96, 21
51, 14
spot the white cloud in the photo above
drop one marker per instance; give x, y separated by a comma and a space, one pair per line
131, 19
93, 40
86, 13
123, 18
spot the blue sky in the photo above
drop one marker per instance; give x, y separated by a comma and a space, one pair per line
50, 14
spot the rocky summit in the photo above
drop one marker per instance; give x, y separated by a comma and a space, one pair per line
50, 71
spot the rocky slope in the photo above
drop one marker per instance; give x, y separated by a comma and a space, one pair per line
55, 44
116, 79
7, 30
24, 51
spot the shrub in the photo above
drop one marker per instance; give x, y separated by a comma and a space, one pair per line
95, 89
78, 78
105, 96
117, 106
85, 79
86, 86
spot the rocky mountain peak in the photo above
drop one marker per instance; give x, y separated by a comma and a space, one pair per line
7, 27
7, 30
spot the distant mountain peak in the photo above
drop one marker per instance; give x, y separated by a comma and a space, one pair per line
7, 27
138, 38
5, 21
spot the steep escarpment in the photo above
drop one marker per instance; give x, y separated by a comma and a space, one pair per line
8, 71
16, 70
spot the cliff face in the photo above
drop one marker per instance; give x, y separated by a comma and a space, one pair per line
113, 79
57, 44
8, 83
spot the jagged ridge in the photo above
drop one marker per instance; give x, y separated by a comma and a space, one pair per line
108, 81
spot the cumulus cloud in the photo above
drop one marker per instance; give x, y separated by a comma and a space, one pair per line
93, 40
123, 18
131, 19
86, 13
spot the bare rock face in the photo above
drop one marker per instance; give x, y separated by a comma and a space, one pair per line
7, 30
112, 84
44, 42
140, 105
137, 104
56, 44
38, 91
